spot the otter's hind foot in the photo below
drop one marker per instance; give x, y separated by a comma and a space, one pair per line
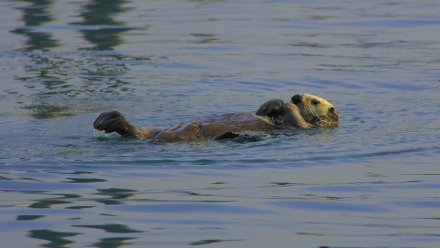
114, 121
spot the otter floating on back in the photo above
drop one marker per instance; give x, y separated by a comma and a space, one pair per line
303, 111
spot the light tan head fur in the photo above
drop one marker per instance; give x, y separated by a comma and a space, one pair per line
316, 110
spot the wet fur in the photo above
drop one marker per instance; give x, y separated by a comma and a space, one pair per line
271, 116
322, 114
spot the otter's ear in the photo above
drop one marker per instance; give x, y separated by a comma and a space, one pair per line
297, 98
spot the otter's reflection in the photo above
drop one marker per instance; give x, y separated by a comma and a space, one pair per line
36, 14
104, 31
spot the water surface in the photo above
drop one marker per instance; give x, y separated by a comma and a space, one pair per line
374, 182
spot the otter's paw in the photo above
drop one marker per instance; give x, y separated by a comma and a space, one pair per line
114, 121
273, 109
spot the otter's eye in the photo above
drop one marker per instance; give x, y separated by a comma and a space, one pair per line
315, 102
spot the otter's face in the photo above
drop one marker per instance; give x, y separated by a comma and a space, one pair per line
316, 111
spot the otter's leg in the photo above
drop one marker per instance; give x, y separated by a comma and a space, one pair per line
273, 109
114, 121
292, 117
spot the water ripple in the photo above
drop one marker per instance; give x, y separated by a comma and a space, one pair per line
191, 209
163, 62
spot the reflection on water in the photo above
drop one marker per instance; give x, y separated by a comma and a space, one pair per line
111, 228
210, 241
29, 217
113, 242
36, 14
49, 203
115, 196
205, 38
56, 239
48, 111
52, 74
100, 27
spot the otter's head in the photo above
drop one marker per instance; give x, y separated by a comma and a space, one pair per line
316, 111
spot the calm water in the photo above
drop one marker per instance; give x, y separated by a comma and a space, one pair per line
374, 182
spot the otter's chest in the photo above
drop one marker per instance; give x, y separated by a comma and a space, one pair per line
213, 126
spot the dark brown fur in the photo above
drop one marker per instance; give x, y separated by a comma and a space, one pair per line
272, 115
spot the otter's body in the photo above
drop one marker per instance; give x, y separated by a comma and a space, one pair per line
215, 127
304, 111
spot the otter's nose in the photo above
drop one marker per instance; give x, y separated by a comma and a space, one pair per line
297, 98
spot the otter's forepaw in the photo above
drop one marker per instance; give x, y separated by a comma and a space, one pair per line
273, 109
113, 121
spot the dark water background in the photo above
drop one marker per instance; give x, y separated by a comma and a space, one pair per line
374, 182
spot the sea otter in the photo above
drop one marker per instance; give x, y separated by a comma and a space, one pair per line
303, 111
